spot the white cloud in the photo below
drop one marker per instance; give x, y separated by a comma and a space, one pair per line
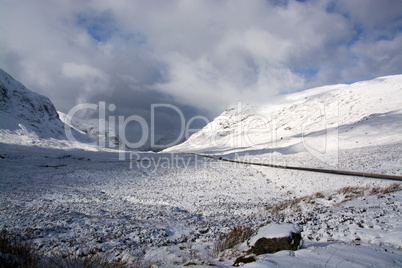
377, 57
205, 54
82, 71
372, 16
93, 81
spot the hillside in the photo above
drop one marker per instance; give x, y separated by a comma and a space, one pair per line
20, 106
29, 118
90, 127
320, 126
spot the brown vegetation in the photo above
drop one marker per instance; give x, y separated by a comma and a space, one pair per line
17, 253
237, 235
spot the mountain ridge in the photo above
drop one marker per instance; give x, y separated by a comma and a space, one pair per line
27, 117
23, 106
361, 114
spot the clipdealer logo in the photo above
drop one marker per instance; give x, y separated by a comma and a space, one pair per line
318, 132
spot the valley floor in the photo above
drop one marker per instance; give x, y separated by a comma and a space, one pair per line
170, 209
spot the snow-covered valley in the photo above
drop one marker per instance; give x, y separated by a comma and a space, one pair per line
174, 212
171, 208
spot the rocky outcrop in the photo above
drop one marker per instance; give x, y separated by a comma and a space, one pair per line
275, 237
28, 114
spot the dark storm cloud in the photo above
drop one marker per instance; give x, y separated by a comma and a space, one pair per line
198, 55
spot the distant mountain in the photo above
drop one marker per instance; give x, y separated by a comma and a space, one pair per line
91, 127
167, 141
26, 115
319, 120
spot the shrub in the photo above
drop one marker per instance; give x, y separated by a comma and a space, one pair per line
235, 236
16, 253
351, 190
89, 261
390, 189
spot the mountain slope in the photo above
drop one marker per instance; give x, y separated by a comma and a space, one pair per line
27, 117
90, 127
321, 122
19, 105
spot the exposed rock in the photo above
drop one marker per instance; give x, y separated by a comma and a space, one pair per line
275, 237
27, 113
244, 259
20, 105
190, 264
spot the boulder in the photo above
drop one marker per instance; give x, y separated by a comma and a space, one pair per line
275, 237
243, 260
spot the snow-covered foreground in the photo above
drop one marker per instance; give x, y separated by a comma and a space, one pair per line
170, 209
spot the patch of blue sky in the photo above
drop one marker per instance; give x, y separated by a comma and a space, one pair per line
100, 27
391, 35
331, 7
358, 31
308, 73
374, 35
284, 3
279, 3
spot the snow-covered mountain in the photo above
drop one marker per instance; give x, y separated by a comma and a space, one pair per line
322, 121
27, 117
90, 127
22, 108
167, 141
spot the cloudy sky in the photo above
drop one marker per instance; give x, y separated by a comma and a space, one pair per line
200, 56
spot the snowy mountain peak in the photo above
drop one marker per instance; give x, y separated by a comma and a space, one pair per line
320, 121
19, 105
27, 117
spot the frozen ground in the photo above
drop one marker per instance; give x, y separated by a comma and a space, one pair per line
170, 209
